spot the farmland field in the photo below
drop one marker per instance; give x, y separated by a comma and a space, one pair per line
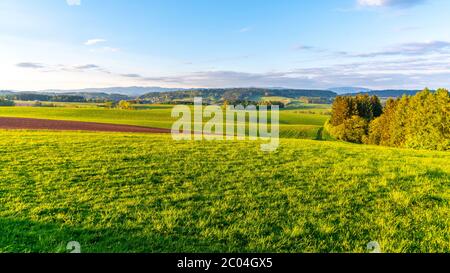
118, 192
294, 123
158, 116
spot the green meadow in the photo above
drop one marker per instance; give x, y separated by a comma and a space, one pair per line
119, 192
116, 192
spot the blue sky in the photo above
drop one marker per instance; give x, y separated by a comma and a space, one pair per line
69, 44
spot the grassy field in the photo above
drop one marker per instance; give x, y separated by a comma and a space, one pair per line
146, 193
293, 123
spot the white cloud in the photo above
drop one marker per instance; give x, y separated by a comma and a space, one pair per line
412, 65
94, 41
401, 73
371, 3
73, 2
389, 3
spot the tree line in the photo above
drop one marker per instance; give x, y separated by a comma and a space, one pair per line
421, 121
237, 94
42, 97
6, 102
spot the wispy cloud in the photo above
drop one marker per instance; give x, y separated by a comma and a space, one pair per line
389, 3
311, 49
406, 72
402, 71
73, 2
94, 41
303, 47
30, 65
417, 49
131, 75
87, 66
63, 68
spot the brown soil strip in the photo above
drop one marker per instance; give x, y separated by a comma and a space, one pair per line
46, 124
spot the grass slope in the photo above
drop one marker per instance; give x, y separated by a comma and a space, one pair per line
147, 193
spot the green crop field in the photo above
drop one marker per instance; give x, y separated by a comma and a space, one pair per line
158, 116
293, 124
116, 192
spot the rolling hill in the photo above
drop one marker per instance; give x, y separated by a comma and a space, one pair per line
237, 94
116, 192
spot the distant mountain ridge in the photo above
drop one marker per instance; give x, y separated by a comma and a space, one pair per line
6, 92
160, 93
348, 90
352, 91
109, 93
69, 96
129, 91
386, 93
237, 94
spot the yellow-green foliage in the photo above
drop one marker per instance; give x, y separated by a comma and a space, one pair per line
351, 117
146, 193
353, 129
124, 105
421, 121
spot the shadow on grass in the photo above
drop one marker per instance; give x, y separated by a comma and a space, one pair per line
25, 236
